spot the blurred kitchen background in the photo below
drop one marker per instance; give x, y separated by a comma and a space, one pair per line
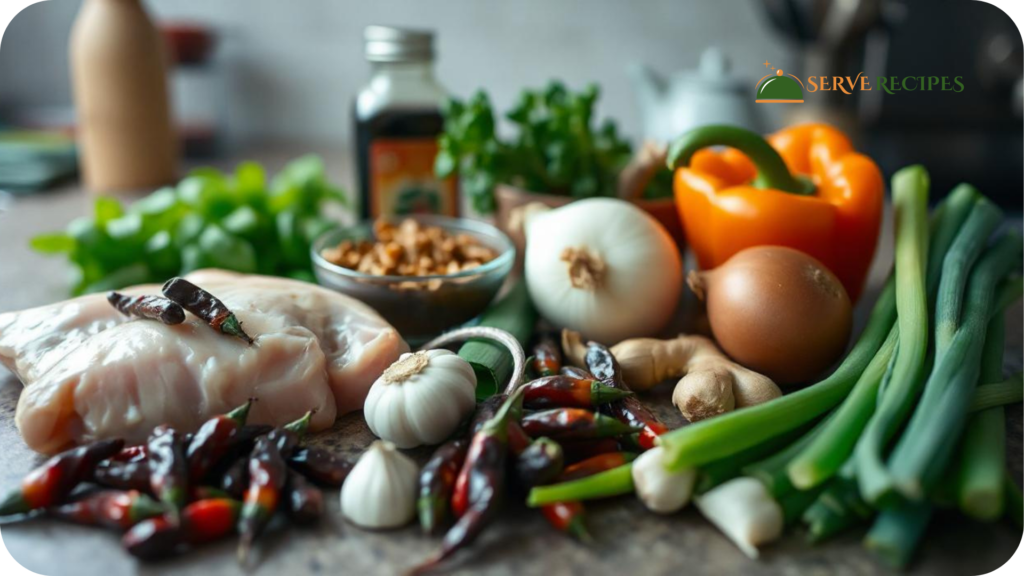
265, 72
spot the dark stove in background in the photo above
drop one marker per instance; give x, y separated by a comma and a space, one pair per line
975, 135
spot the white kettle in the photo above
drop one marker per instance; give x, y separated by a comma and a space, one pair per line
687, 99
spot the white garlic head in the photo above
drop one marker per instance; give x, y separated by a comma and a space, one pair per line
380, 491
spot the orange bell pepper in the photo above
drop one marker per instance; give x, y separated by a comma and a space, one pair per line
804, 187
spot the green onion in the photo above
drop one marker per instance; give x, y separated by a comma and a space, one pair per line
910, 200
728, 434
772, 470
1009, 391
921, 455
837, 508
897, 532
614, 482
1014, 501
983, 449
726, 469
492, 363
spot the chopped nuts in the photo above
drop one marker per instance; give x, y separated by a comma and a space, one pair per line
409, 249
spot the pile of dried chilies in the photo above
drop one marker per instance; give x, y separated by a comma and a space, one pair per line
911, 420
180, 491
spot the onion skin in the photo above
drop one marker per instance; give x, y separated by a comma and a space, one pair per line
777, 311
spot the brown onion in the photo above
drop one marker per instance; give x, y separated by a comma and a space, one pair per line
777, 311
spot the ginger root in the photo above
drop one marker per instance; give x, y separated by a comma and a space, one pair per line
710, 383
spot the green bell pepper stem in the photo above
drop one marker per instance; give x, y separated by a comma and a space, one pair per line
771, 169
614, 482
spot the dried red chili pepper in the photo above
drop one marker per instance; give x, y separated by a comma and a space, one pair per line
567, 517
573, 424
547, 357
485, 410
206, 306
595, 464
135, 453
629, 410
168, 468
575, 372
152, 307
437, 483
51, 483
305, 502
268, 472
321, 466
568, 392
577, 450
132, 475
206, 493
214, 439
201, 522
485, 485
517, 442
114, 509
235, 480
541, 462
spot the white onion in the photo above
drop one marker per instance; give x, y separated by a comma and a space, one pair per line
602, 267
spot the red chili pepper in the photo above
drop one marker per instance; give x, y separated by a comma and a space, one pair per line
567, 517
576, 372
629, 410
235, 480
573, 424
437, 483
135, 453
540, 463
305, 502
201, 522
112, 509
484, 485
568, 392
321, 466
547, 357
132, 475
168, 469
51, 483
206, 493
595, 464
577, 450
518, 441
214, 439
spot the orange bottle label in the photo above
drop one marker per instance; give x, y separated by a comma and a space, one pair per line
402, 179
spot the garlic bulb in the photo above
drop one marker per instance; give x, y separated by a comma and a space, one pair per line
743, 509
661, 491
380, 491
421, 398
603, 267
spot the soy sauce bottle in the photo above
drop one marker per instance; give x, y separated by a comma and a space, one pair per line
397, 120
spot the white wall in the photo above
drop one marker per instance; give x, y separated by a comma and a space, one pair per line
293, 67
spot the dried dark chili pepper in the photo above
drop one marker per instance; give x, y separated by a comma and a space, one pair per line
114, 509
567, 517
152, 307
305, 502
568, 392
517, 442
547, 357
214, 439
575, 372
320, 466
201, 522
50, 484
268, 472
437, 482
135, 453
573, 424
206, 306
595, 464
629, 410
168, 468
206, 493
578, 450
133, 475
485, 487
235, 480
541, 462
485, 410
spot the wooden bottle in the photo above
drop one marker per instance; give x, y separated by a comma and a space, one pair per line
119, 79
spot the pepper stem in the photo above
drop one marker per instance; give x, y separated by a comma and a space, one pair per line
300, 426
241, 414
498, 424
771, 169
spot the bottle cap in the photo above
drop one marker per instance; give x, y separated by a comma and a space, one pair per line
389, 44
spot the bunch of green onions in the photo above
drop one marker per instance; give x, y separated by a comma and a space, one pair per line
902, 425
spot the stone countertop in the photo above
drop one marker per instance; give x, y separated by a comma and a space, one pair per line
628, 539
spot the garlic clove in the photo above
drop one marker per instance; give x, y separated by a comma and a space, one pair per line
660, 490
380, 491
744, 511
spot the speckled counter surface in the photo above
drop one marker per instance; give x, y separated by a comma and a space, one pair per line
628, 539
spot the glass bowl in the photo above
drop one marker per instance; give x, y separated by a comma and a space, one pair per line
421, 307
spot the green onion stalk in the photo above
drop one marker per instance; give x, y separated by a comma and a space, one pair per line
924, 450
1009, 391
1014, 501
910, 199
896, 533
771, 471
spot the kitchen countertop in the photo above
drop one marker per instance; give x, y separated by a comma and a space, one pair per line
628, 539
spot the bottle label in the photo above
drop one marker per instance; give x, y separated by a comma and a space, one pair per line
402, 179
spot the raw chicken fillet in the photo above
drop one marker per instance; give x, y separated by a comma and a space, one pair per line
92, 373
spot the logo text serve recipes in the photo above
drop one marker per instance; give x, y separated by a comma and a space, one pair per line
782, 88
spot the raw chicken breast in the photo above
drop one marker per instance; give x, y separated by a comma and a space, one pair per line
91, 373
